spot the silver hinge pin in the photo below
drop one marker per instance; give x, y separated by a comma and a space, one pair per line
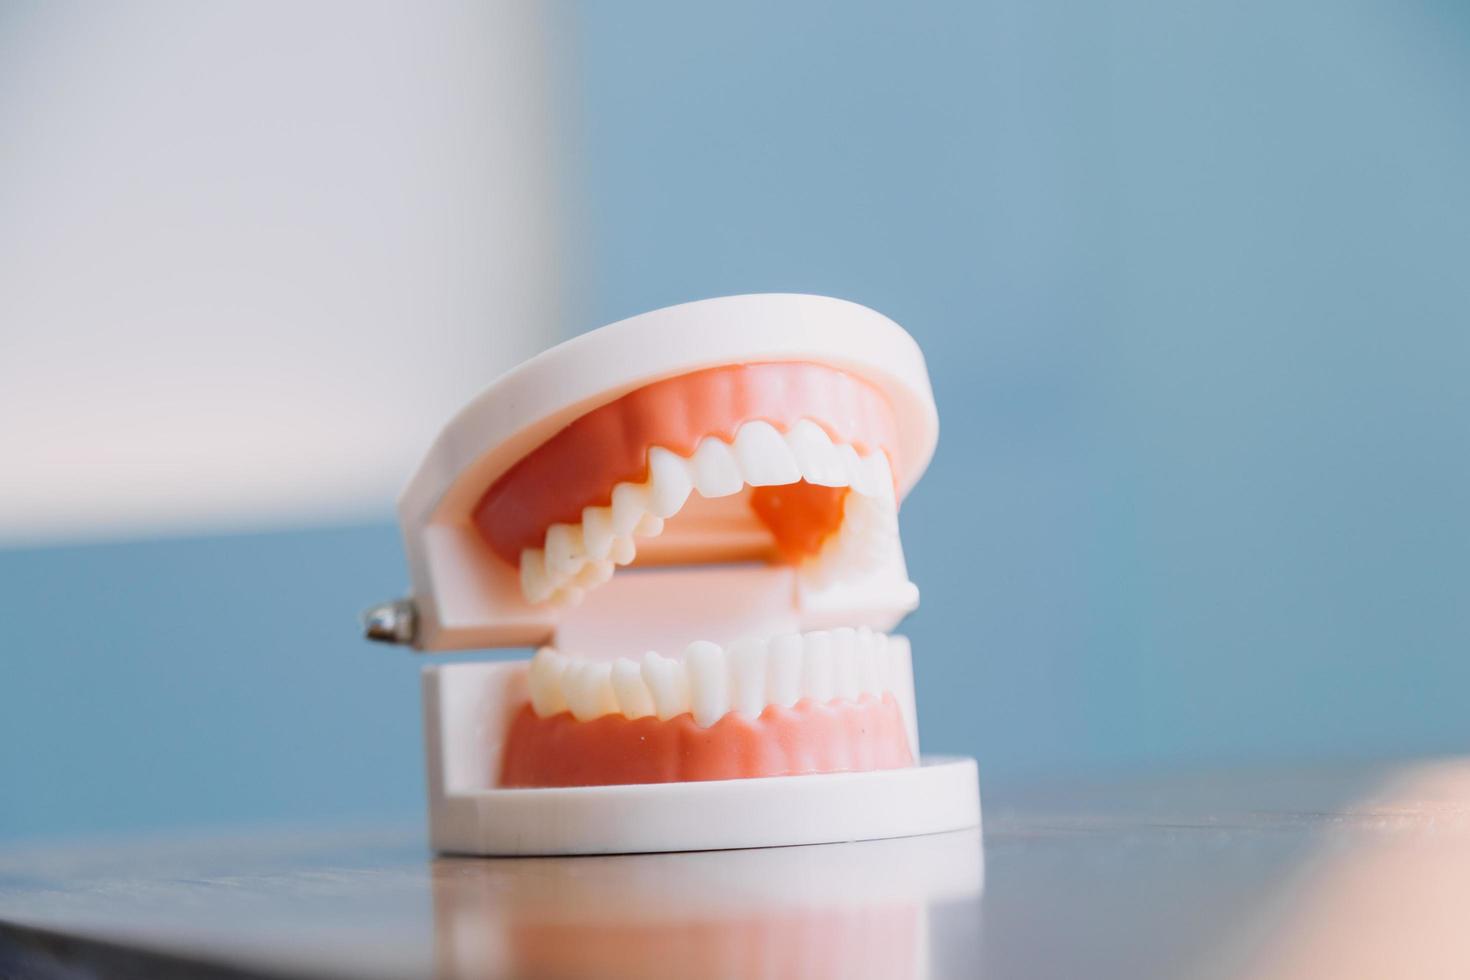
391, 622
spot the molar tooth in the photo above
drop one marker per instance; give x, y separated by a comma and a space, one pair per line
815, 455
629, 504
817, 680
844, 659
593, 574
564, 554
543, 678
535, 584
623, 550
709, 686
631, 691
668, 482
716, 474
649, 526
748, 677
783, 683
568, 595
589, 690
597, 531
668, 685
765, 459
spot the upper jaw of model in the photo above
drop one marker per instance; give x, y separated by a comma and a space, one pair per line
800, 447
746, 455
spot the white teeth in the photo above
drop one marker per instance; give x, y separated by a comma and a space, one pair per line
629, 504
623, 550
748, 677
668, 481
597, 532
709, 688
716, 474
815, 455
872, 476
764, 457
576, 557
588, 690
852, 463
844, 663
534, 583
668, 684
544, 681
783, 681
710, 681
817, 680
650, 525
632, 693
563, 550
866, 668
594, 573
882, 676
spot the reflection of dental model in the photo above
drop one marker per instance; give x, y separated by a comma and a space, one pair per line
846, 911
746, 457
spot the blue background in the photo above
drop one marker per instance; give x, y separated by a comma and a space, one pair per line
1192, 281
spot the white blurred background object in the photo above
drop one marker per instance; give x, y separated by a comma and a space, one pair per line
248, 263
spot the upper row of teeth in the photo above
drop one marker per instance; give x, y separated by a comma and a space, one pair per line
711, 681
576, 557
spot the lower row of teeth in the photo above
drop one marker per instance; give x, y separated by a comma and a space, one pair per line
710, 681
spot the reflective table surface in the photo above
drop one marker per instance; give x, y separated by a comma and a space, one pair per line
1350, 872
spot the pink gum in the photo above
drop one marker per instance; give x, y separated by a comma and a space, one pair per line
809, 737
579, 466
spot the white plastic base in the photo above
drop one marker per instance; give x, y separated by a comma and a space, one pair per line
465, 712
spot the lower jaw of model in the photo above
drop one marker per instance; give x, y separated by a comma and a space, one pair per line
804, 492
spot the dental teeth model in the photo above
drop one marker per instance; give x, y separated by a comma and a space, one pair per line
693, 515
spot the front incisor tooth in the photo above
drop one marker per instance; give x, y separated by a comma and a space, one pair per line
629, 504
765, 459
597, 532
668, 685
815, 455
844, 661
709, 686
668, 482
783, 677
748, 677
817, 680
564, 553
631, 691
543, 679
715, 472
588, 690
866, 672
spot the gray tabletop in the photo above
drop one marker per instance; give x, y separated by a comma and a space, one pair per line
1359, 871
